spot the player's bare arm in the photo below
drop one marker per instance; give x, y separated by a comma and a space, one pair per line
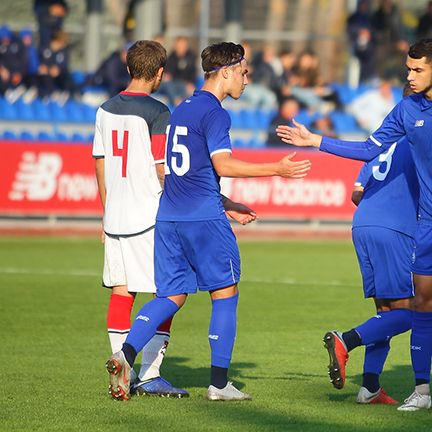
160, 174
228, 166
299, 135
100, 178
357, 194
238, 211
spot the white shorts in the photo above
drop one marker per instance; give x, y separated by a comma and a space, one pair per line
130, 261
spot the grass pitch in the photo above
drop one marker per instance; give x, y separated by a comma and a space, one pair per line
54, 346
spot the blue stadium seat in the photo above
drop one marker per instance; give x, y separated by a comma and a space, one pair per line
61, 136
78, 137
57, 112
304, 118
344, 122
44, 136
255, 142
89, 113
263, 118
78, 77
24, 111
239, 143
40, 110
8, 111
248, 119
74, 111
26, 136
9, 135
235, 119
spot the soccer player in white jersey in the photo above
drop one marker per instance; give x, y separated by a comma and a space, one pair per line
129, 147
194, 243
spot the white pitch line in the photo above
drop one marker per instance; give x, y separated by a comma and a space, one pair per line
293, 282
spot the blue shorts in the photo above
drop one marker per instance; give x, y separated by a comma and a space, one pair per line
423, 248
385, 258
195, 255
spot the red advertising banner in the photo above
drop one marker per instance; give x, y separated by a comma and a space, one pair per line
58, 179
48, 179
324, 194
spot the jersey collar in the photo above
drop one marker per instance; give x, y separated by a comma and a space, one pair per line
207, 93
127, 93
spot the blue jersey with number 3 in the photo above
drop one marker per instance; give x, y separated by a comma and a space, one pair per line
391, 191
199, 128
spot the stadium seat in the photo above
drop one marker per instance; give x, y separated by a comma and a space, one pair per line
304, 118
344, 122
89, 113
9, 135
235, 119
57, 112
78, 77
239, 143
61, 136
40, 110
24, 111
26, 136
74, 111
255, 142
44, 136
8, 111
78, 137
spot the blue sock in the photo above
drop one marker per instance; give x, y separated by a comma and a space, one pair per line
375, 357
148, 319
222, 330
385, 325
421, 346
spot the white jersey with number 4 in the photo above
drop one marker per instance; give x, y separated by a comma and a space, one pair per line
130, 136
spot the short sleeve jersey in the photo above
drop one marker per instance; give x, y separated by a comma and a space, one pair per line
412, 117
391, 191
130, 135
199, 128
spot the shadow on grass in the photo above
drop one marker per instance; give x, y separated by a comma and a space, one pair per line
175, 370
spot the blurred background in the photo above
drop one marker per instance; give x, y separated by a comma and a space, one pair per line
337, 66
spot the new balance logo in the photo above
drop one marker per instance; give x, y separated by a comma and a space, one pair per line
415, 348
377, 316
214, 337
36, 179
143, 318
419, 123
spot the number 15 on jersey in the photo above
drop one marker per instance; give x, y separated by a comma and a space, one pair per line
179, 162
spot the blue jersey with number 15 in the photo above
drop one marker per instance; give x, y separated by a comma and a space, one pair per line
199, 128
391, 191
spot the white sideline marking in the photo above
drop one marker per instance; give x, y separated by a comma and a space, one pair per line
48, 272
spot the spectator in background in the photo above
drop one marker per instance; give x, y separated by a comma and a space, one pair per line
323, 125
424, 28
307, 85
32, 58
288, 110
267, 68
257, 95
53, 74
359, 28
50, 15
387, 31
370, 108
180, 72
287, 60
112, 73
12, 62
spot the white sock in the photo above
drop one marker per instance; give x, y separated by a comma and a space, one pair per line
152, 356
117, 339
423, 389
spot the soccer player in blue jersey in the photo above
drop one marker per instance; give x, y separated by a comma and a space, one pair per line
195, 247
411, 117
384, 224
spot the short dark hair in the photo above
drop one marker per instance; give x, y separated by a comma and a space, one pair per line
219, 55
144, 58
420, 49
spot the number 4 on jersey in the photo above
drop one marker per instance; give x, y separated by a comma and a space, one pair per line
180, 149
123, 151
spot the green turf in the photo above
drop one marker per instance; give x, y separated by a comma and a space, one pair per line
54, 346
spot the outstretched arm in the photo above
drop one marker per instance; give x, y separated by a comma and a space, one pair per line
302, 137
227, 166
